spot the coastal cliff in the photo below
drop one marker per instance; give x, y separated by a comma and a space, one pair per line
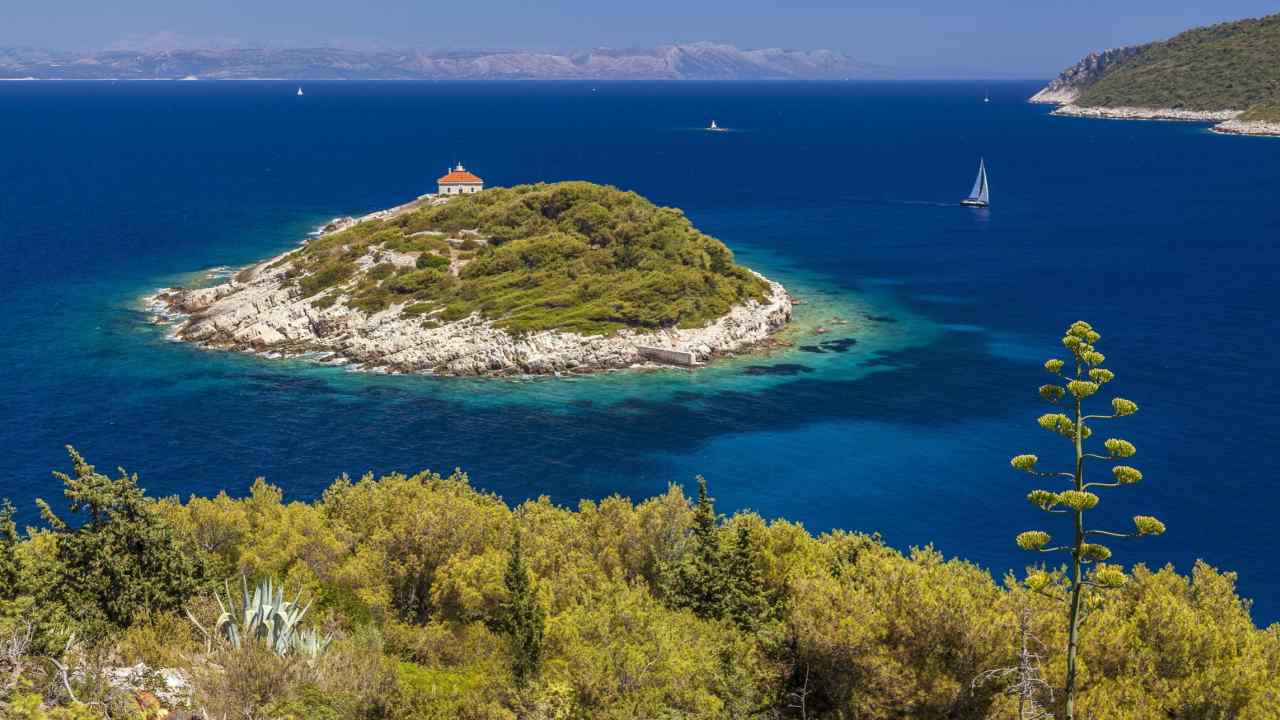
539, 279
1071, 82
1220, 74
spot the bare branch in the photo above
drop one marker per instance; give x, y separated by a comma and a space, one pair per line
1108, 533
1024, 681
800, 698
1057, 473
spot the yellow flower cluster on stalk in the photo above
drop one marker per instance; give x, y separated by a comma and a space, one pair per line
1075, 387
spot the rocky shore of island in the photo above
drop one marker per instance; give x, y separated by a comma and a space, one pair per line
1227, 122
1238, 126
1139, 113
257, 310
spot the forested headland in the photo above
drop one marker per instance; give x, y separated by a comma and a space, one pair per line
1205, 73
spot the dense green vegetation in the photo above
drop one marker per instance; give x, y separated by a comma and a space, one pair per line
574, 256
1231, 66
437, 600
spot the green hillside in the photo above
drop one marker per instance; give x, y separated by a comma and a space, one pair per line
1263, 113
1232, 66
569, 256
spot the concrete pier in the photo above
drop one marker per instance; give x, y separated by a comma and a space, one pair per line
683, 358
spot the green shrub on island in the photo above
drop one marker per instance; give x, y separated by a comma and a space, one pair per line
1262, 113
614, 609
571, 256
1230, 66
426, 260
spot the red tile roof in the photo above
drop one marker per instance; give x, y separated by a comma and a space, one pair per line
459, 177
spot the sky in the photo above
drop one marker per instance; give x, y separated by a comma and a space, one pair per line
1028, 38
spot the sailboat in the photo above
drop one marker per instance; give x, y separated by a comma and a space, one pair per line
714, 127
986, 98
299, 92
979, 195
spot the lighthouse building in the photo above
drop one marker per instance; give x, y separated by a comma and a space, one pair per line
459, 181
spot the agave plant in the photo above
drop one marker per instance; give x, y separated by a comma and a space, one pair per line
268, 617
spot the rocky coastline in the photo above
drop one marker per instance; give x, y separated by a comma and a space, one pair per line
1237, 126
1068, 86
1225, 122
257, 310
1139, 113
1054, 95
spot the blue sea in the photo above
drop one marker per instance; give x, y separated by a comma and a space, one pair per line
1162, 235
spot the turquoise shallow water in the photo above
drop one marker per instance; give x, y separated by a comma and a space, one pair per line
1160, 234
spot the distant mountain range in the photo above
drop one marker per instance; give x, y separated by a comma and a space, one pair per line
690, 61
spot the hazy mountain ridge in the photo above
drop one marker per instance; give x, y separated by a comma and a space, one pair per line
688, 61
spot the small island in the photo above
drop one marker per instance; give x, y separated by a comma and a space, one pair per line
1225, 74
547, 278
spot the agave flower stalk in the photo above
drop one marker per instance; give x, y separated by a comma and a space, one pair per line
1078, 497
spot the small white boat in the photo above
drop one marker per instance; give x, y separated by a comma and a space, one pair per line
980, 195
713, 127
299, 92
986, 98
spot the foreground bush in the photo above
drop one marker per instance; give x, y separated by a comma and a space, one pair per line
412, 577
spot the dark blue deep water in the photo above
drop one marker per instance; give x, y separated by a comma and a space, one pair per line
1162, 235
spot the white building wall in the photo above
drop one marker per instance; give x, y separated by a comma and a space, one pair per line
457, 189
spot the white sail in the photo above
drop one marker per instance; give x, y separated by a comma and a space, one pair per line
980, 190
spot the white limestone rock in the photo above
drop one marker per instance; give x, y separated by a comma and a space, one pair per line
257, 310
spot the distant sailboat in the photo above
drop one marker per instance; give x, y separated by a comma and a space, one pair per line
299, 92
979, 196
714, 127
986, 98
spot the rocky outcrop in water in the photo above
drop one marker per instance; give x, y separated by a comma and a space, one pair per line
258, 310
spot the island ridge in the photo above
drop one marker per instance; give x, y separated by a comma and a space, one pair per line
533, 279
1225, 74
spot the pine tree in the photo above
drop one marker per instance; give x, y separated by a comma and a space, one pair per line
10, 573
746, 602
124, 558
1088, 378
702, 580
523, 618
